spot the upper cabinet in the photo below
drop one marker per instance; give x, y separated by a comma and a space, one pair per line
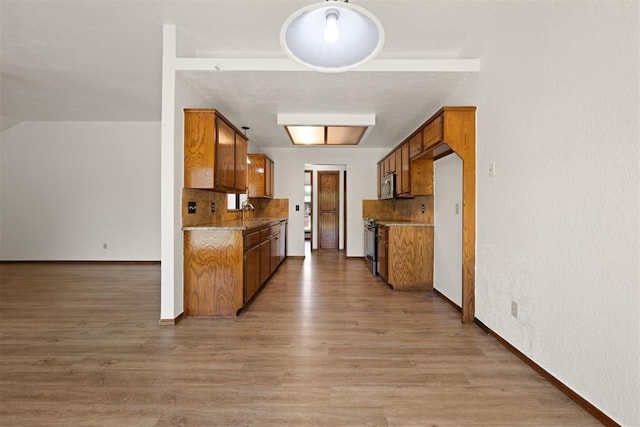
403, 171
412, 160
215, 152
433, 132
260, 183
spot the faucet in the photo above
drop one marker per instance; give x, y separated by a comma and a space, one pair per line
246, 206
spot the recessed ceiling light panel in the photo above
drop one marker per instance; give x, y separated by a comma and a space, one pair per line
332, 36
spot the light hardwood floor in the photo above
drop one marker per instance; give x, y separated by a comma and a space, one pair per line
324, 344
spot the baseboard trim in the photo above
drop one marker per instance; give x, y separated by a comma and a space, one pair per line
171, 322
582, 402
27, 261
444, 297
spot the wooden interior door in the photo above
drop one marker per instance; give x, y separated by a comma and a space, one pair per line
328, 209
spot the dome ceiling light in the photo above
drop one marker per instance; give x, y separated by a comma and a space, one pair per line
332, 36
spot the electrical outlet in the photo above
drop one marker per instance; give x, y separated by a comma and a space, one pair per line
213, 207
457, 208
514, 309
422, 208
191, 207
105, 246
492, 169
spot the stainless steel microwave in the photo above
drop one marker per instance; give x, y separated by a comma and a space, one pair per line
388, 187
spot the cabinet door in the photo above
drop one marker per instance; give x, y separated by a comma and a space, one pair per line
268, 177
383, 258
275, 250
405, 170
265, 260
255, 183
260, 172
225, 172
240, 164
251, 272
397, 155
199, 149
283, 241
391, 163
379, 179
422, 176
433, 133
415, 145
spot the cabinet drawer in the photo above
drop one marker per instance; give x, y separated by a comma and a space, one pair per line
251, 239
432, 133
264, 234
275, 229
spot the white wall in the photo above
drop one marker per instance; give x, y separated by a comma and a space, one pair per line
447, 256
361, 184
172, 286
558, 226
69, 187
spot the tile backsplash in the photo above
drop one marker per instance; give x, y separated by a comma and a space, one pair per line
203, 215
400, 209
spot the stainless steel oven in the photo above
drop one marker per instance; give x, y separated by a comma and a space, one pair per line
371, 245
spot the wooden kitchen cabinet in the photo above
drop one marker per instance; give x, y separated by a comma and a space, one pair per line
260, 176
213, 267
252, 280
415, 145
275, 246
433, 132
413, 177
215, 152
383, 252
412, 160
391, 163
422, 176
408, 256
224, 267
403, 173
379, 181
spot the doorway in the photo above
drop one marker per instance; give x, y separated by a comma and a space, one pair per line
328, 209
308, 207
326, 199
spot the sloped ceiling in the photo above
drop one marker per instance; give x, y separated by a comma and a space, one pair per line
101, 61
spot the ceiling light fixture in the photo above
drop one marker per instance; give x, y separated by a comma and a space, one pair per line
327, 129
332, 36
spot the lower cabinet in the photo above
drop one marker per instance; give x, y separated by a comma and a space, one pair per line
405, 257
213, 272
275, 247
383, 252
252, 280
224, 268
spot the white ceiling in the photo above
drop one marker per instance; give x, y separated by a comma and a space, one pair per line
95, 60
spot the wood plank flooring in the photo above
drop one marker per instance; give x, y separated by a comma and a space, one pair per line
324, 344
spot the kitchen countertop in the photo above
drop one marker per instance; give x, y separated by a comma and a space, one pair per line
237, 224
